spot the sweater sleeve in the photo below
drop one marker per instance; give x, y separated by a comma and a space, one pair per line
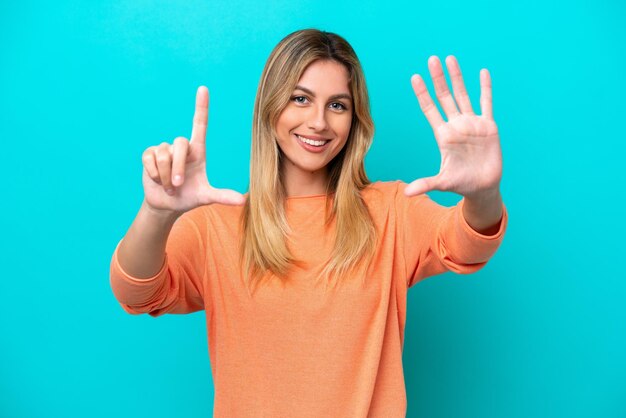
435, 239
178, 286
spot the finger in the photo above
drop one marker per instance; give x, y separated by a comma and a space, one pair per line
164, 164
441, 87
200, 117
426, 102
149, 164
486, 103
179, 157
460, 93
421, 186
224, 196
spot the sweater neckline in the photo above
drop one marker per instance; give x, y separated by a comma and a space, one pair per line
313, 196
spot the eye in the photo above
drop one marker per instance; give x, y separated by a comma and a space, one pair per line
299, 99
340, 106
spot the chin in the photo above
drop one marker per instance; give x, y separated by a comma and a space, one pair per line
311, 168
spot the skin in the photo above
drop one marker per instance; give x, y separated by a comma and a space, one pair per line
471, 158
174, 176
174, 181
312, 112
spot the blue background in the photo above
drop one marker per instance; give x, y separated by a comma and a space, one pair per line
85, 87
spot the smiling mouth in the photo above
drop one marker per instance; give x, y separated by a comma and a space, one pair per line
312, 142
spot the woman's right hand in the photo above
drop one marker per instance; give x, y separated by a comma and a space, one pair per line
174, 176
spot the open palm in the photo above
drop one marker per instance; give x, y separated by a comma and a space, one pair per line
471, 158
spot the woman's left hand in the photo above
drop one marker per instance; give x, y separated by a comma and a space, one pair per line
471, 159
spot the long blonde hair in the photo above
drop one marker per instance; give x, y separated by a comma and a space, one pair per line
264, 251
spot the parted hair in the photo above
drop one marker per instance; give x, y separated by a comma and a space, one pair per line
264, 252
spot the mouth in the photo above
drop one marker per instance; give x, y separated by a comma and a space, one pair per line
318, 143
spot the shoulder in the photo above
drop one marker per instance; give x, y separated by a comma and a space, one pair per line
391, 194
214, 215
384, 187
380, 196
383, 191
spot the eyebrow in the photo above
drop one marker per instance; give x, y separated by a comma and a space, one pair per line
334, 97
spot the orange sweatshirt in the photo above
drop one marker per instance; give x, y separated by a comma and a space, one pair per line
295, 350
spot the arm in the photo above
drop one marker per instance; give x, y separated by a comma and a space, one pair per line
162, 271
465, 237
471, 158
484, 213
141, 253
436, 239
158, 267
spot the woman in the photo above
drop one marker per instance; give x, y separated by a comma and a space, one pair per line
304, 280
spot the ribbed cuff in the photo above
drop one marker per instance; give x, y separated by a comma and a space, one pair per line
477, 235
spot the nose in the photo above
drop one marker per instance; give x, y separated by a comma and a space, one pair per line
317, 119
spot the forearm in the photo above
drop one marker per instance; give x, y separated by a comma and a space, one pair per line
484, 212
142, 251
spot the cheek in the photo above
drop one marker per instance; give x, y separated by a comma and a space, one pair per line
343, 128
286, 121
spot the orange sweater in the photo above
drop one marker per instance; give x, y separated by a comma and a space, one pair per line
296, 351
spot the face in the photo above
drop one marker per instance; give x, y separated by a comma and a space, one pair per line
315, 125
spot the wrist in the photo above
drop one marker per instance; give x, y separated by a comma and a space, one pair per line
484, 196
483, 212
163, 216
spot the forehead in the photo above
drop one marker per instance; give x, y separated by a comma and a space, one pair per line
325, 78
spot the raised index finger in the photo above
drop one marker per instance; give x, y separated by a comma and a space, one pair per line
200, 117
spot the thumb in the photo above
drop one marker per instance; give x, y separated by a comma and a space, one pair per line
223, 196
421, 186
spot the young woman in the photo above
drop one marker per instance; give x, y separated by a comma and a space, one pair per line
304, 279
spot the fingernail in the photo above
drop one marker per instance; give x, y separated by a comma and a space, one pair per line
177, 178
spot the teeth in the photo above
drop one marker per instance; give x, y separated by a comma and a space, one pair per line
311, 141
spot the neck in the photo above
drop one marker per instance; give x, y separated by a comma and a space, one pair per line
304, 183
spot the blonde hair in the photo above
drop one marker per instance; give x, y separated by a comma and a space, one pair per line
264, 251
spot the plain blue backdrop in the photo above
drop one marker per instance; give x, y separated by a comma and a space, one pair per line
86, 86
